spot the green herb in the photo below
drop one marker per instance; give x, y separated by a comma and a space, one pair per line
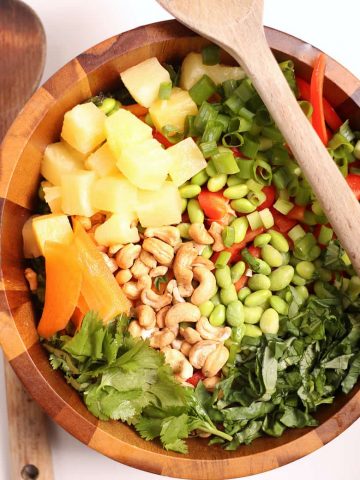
159, 280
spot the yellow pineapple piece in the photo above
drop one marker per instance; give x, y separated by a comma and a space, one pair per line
84, 127
123, 128
117, 229
145, 164
60, 158
172, 112
52, 195
114, 194
144, 79
159, 208
192, 69
76, 193
102, 162
187, 161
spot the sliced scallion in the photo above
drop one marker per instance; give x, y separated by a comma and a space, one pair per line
210, 55
325, 235
224, 161
250, 147
165, 90
208, 148
283, 206
202, 90
262, 171
245, 168
222, 259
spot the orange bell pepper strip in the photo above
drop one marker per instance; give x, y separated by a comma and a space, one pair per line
79, 312
63, 284
316, 96
100, 290
136, 109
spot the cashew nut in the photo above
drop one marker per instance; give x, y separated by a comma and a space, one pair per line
203, 262
185, 348
200, 351
210, 383
148, 259
131, 290
176, 344
182, 268
178, 363
159, 271
173, 288
126, 257
110, 262
208, 332
215, 361
144, 282
215, 231
123, 276
191, 335
139, 268
170, 235
160, 316
198, 233
206, 288
98, 218
134, 329
149, 297
85, 222
162, 339
146, 316
182, 312
163, 252
31, 278
113, 249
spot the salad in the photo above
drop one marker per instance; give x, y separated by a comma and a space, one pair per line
187, 280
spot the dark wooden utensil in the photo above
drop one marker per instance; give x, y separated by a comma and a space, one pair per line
22, 55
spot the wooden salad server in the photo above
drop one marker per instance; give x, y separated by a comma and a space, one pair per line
22, 55
236, 26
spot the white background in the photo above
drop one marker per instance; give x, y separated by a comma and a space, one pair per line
73, 26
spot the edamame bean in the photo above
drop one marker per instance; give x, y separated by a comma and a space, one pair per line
354, 287
228, 295
235, 314
217, 316
281, 277
262, 267
196, 215
252, 314
223, 276
259, 282
240, 226
305, 269
324, 275
215, 299
262, 239
320, 290
184, 230
252, 331
217, 182
236, 191
206, 308
108, 105
233, 180
200, 178
271, 256
288, 296
278, 304
210, 169
242, 205
243, 293
183, 205
278, 241
257, 298
207, 252
189, 191
297, 280
302, 292
269, 321
237, 271
285, 258
315, 252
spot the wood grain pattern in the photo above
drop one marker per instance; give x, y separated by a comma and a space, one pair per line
97, 69
237, 28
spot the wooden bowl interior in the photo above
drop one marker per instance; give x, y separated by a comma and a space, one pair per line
40, 124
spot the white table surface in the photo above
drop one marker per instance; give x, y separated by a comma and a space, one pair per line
74, 25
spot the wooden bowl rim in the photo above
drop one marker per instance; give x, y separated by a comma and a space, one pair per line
161, 463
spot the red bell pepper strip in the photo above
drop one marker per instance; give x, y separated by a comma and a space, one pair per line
195, 379
283, 223
353, 180
254, 251
136, 109
316, 96
237, 153
213, 204
162, 139
297, 213
331, 117
270, 193
241, 282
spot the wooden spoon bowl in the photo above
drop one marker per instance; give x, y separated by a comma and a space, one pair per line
39, 124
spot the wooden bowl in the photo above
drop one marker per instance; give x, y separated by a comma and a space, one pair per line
39, 124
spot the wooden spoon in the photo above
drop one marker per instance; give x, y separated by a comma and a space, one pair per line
236, 25
22, 54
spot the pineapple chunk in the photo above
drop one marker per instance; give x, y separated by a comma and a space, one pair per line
187, 161
163, 207
173, 112
42, 228
52, 197
193, 69
123, 128
84, 127
144, 79
60, 158
117, 229
102, 162
76, 193
114, 194
145, 164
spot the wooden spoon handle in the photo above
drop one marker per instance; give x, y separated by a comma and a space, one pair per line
30, 455
338, 202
